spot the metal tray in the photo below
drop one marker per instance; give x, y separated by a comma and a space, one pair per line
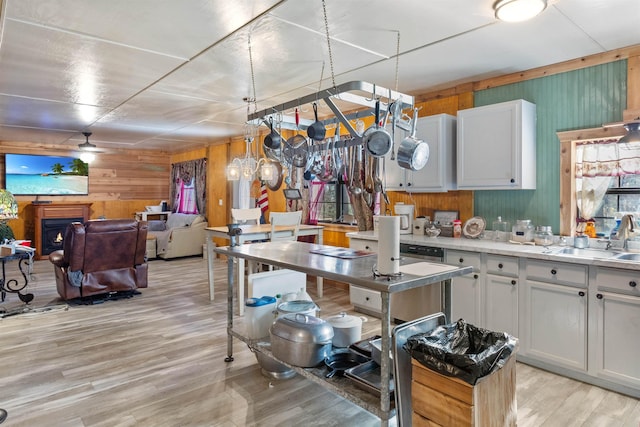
402, 361
367, 377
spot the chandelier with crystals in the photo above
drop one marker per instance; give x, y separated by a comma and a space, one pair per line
247, 166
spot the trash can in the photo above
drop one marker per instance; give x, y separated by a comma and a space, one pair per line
463, 375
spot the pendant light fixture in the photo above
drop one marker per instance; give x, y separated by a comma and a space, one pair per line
633, 132
518, 10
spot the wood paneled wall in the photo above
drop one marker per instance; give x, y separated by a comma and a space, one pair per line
121, 182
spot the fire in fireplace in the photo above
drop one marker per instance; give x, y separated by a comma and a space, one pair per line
53, 232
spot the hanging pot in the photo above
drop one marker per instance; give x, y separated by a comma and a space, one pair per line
275, 182
316, 130
296, 148
413, 153
376, 139
273, 140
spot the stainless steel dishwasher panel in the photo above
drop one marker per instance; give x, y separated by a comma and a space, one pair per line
418, 302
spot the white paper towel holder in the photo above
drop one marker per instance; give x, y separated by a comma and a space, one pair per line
389, 276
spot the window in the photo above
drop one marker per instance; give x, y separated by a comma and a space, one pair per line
330, 202
623, 195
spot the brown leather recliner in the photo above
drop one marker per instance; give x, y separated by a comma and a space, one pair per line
101, 257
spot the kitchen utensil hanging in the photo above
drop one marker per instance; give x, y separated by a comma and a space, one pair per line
376, 139
413, 153
275, 182
296, 148
273, 140
316, 130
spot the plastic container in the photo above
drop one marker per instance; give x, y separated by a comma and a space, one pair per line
405, 212
543, 235
457, 228
590, 229
259, 313
522, 231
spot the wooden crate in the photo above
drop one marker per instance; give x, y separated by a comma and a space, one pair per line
438, 400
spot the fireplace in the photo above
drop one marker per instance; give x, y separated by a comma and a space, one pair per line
53, 233
45, 224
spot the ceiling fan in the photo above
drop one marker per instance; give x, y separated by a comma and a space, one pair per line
88, 149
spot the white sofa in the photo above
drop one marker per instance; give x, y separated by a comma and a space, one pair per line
179, 236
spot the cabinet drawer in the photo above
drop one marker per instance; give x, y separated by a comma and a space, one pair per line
365, 298
463, 259
557, 272
502, 265
627, 282
363, 245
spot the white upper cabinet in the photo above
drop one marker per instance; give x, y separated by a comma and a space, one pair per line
496, 147
438, 175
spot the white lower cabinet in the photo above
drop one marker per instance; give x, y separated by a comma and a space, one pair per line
554, 325
501, 307
501, 294
466, 291
554, 318
617, 308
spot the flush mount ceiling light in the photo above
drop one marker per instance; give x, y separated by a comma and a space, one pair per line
518, 10
87, 155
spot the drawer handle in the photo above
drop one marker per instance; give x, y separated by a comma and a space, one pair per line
633, 284
461, 260
513, 282
581, 293
599, 296
500, 266
554, 272
367, 247
366, 298
475, 276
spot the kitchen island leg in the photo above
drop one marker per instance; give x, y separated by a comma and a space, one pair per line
385, 367
229, 357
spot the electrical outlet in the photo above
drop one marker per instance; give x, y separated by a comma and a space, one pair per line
219, 202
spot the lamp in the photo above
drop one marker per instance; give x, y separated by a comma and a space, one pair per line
8, 210
633, 132
518, 10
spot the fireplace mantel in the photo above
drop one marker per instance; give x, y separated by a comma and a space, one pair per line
42, 211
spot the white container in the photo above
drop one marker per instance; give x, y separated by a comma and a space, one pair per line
419, 225
308, 308
259, 314
347, 329
405, 212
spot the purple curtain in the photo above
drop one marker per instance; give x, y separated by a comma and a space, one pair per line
184, 173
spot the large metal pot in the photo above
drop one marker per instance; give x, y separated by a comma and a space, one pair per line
376, 139
413, 153
301, 340
297, 306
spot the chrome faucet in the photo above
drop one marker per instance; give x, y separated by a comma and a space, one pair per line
607, 241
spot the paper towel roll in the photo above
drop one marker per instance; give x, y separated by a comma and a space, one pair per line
389, 245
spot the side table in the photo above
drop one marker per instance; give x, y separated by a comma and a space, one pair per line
13, 285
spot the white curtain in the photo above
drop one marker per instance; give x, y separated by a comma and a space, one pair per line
597, 163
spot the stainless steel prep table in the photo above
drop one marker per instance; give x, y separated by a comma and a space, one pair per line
358, 271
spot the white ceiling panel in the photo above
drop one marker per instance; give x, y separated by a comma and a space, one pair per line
166, 74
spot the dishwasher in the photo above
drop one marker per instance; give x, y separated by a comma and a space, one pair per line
418, 302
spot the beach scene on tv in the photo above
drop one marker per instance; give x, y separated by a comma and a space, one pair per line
28, 174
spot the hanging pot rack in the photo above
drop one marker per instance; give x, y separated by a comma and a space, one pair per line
355, 95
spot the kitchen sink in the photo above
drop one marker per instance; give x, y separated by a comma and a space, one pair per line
627, 256
587, 253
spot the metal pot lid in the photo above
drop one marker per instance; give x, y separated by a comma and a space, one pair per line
302, 328
297, 306
275, 183
344, 320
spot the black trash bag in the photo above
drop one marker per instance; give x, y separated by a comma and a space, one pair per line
461, 350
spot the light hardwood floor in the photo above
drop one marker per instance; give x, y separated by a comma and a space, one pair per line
158, 360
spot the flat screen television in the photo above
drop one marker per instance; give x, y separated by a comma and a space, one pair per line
30, 174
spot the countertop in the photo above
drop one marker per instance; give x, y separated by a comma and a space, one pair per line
595, 255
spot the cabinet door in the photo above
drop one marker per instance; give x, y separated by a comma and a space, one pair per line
496, 147
438, 175
501, 304
466, 299
555, 324
394, 175
618, 338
